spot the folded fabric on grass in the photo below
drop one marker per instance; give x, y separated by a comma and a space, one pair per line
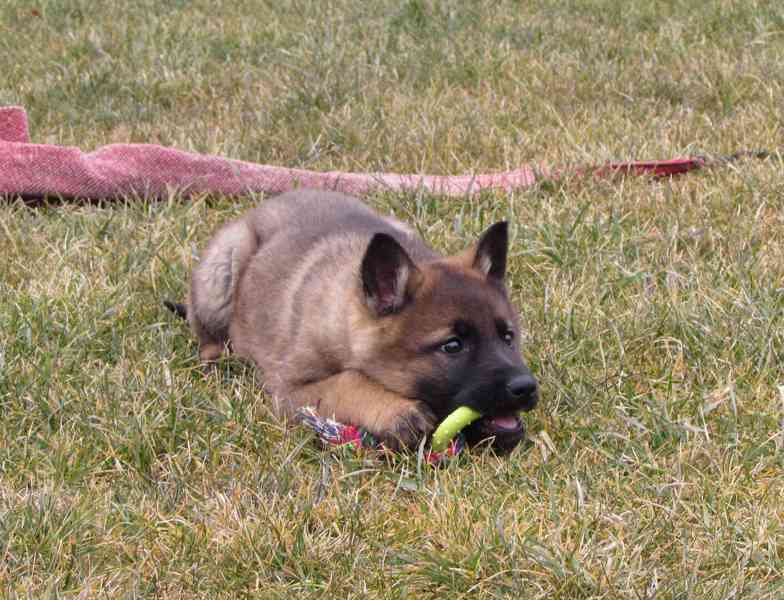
146, 170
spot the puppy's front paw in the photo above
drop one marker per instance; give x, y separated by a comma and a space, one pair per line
407, 426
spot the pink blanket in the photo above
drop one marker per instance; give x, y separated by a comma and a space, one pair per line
42, 170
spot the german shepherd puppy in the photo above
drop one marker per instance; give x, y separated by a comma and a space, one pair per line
351, 313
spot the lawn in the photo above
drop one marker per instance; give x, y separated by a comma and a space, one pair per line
653, 310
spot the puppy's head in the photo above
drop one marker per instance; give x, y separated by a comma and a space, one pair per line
445, 332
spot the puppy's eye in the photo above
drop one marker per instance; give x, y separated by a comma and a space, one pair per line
508, 336
452, 346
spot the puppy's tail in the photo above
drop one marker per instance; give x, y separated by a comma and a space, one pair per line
179, 309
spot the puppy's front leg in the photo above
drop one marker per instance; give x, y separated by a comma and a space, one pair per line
350, 397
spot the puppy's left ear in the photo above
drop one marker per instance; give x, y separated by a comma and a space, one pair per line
389, 276
490, 252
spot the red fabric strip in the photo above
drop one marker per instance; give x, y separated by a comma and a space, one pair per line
44, 170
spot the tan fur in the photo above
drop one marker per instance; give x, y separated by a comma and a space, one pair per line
213, 286
283, 285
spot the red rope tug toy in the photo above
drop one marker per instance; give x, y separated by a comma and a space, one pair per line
35, 171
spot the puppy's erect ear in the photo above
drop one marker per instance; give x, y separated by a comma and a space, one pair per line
490, 253
389, 276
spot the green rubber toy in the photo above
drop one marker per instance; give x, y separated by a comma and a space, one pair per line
454, 423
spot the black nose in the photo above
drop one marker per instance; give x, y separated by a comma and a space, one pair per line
522, 386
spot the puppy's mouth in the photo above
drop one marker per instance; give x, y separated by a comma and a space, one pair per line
501, 432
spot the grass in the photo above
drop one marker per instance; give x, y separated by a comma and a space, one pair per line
653, 310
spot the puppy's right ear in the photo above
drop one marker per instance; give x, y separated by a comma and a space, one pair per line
389, 276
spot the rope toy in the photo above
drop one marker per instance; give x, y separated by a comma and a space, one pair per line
36, 171
333, 433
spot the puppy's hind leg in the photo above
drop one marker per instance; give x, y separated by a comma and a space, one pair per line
213, 286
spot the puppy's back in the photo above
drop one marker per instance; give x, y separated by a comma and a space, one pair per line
300, 294
305, 217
